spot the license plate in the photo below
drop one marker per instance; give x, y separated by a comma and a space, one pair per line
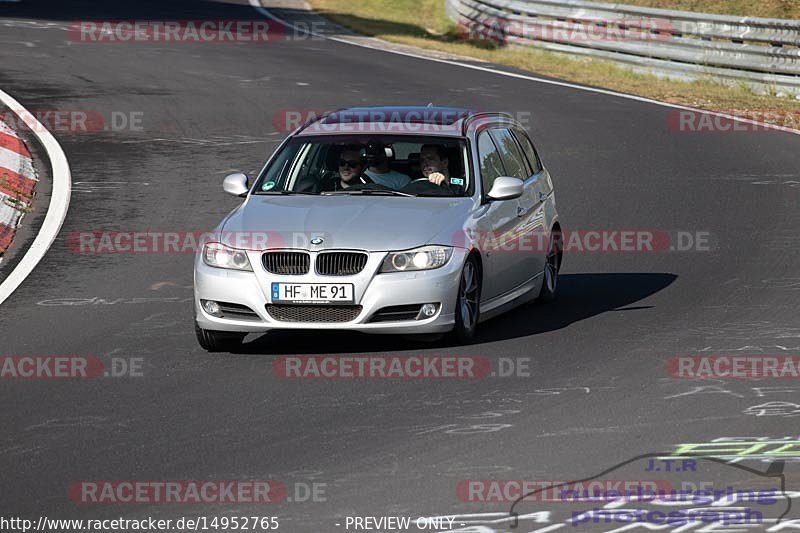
312, 292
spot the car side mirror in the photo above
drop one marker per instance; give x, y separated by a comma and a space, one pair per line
506, 188
235, 184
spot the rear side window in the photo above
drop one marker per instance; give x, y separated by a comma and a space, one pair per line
512, 157
527, 147
489, 158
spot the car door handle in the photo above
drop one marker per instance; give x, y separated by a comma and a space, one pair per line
520, 211
542, 196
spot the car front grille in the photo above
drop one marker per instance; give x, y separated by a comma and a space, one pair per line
396, 313
286, 263
313, 313
341, 263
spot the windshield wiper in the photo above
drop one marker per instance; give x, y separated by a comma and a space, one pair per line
377, 192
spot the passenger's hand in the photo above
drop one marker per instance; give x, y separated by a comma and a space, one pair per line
437, 178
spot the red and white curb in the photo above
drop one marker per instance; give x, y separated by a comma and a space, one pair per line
24, 179
17, 184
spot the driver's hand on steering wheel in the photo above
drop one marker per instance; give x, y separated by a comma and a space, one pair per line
437, 178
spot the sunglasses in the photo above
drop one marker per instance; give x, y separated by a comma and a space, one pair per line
351, 163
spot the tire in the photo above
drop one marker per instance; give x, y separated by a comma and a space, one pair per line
551, 268
468, 302
218, 341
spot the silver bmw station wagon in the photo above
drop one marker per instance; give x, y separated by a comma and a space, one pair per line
412, 220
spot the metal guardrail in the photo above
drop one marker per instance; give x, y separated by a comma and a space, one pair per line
762, 53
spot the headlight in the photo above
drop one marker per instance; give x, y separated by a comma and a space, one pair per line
424, 258
221, 256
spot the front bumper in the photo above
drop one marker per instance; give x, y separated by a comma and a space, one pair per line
373, 292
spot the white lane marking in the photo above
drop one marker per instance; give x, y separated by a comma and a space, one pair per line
256, 4
59, 199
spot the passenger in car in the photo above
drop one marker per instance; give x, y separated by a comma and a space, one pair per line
379, 170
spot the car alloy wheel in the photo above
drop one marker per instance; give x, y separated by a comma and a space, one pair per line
468, 302
552, 266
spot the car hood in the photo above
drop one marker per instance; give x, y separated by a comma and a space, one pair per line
374, 223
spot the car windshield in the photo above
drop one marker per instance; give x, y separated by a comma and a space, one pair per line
376, 165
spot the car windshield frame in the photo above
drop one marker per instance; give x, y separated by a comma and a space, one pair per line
294, 151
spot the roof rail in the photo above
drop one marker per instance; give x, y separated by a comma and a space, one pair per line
483, 114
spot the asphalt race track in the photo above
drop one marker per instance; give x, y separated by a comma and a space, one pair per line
597, 392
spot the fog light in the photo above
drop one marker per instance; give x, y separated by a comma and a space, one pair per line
428, 310
211, 307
